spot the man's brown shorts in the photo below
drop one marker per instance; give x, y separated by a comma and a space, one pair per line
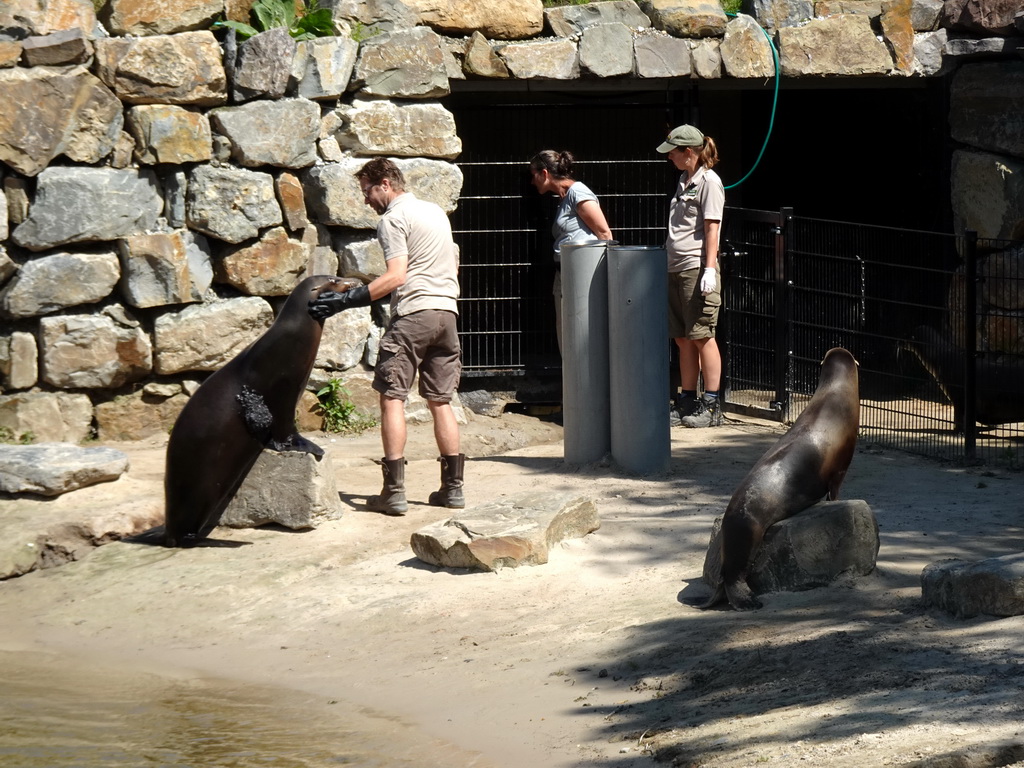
691, 315
427, 342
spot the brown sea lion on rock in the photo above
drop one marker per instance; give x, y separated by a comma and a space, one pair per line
999, 384
244, 407
808, 463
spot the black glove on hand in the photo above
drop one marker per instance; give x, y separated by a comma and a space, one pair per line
331, 302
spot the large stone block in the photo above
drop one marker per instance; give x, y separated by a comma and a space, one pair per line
517, 530
203, 337
660, 55
570, 20
607, 50
417, 129
55, 111
138, 416
496, 19
92, 351
263, 65
808, 550
47, 416
60, 280
993, 587
686, 18
405, 64
556, 59
281, 133
291, 489
231, 204
165, 133
164, 69
344, 339
323, 67
838, 45
76, 205
19, 360
156, 270
746, 50
153, 17
51, 469
269, 267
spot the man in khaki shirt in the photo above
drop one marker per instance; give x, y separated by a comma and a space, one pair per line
422, 337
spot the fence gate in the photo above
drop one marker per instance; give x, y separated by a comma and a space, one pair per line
503, 226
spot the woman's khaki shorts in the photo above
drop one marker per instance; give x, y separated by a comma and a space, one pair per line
691, 315
426, 342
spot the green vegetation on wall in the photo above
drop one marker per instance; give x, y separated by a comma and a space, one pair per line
311, 21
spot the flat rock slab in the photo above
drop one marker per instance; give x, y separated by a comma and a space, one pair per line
50, 469
513, 531
809, 550
993, 587
290, 488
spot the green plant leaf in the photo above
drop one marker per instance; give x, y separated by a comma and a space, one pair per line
244, 31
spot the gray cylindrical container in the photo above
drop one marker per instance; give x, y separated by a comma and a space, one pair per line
586, 420
638, 357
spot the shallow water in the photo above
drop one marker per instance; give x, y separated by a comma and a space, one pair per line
59, 711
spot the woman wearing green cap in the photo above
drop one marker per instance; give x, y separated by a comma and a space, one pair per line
579, 218
694, 221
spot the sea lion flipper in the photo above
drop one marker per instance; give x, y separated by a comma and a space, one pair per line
741, 598
296, 442
717, 596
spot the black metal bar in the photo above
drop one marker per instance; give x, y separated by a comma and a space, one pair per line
970, 322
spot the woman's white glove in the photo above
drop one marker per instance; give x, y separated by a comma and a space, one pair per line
708, 281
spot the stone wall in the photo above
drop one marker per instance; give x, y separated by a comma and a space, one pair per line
164, 185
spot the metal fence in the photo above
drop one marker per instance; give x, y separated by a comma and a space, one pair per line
794, 288
934, 320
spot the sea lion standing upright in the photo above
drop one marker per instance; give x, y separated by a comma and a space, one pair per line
245, 406
808, 463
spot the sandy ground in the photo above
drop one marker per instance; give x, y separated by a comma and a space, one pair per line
594, 658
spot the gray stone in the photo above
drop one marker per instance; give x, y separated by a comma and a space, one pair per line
986, 107
359, 256
155, 270
292, 200
175, 185
263, 65
987, 193
928, 53
326, 66
495, 19
658, 54
60, 280
333, 196
69, 46
92, 352
371, 17
607, 50
281, 133
165, 133
7, 266
19, 360
746, 51
516, 530
16, 192
231, 204
571, 20
993, 587
322, 259
291, 489
380, 127
47, 416
838, 45
480, 58
980, 17
203, 337
155, 17
50, 469
344, 339
31, 17
75, 205
555, 59
970, 48
54, 111
706, 57
186, 68
268, 267
810, 549
686, 18
925, 15
776, 14
403, 64
138, 416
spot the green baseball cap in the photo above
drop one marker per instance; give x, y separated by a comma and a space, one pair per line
683, 136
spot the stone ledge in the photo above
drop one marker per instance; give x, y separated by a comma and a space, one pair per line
513, 531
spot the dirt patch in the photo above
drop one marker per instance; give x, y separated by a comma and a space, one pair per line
594, 658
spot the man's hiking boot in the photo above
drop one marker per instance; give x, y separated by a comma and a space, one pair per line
392, 496
707, 413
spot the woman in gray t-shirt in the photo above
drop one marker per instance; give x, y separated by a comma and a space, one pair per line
579, 218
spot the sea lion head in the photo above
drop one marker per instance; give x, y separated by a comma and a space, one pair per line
323, 283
